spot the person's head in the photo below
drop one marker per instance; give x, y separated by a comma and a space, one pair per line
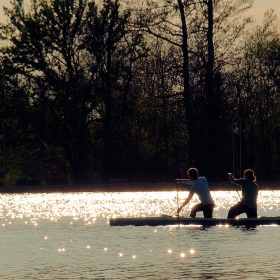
192, 173
249, 175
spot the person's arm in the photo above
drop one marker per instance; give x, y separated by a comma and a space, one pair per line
232, 179
185, 202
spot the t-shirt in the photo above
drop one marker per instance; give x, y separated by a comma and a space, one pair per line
201, 188
249, 192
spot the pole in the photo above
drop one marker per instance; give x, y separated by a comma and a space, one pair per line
177, 199
238, 132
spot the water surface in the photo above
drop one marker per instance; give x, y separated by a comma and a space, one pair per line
67, 236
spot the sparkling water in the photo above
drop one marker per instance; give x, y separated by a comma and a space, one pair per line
68, 236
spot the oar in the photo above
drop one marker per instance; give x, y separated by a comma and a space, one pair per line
230, 174
237, 192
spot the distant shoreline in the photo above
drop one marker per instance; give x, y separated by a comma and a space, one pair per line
127, 187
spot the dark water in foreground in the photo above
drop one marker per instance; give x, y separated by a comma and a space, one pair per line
67, 236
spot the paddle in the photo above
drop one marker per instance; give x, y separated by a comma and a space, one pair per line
186, 181
237, 192
176, 182
177, 199
229, 175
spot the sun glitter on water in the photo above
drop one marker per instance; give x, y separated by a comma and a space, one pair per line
89, 207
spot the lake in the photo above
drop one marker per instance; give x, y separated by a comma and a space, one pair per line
67, 236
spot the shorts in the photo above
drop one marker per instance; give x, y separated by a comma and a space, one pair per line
240, 208
207, 210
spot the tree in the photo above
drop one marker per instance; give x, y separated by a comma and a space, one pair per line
259, 97
45, 53
195, 28
113, 49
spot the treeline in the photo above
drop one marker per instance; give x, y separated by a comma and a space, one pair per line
92, 91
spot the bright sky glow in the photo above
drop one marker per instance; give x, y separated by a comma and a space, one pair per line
260, 7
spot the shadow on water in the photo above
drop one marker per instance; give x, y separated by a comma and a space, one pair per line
242, 228
248, 228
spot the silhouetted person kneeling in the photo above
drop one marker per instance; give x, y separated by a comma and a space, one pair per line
201, 188
250, 189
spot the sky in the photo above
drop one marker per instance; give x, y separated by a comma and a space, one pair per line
260, 7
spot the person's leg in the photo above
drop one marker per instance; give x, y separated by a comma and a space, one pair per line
251, 213
235, 210
208, 210
196, 208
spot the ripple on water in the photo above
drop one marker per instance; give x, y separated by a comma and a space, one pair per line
67, 236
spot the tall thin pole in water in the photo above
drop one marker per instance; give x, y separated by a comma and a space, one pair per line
177, 199
236, 131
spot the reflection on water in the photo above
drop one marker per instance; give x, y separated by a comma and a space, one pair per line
67, 236
89, 206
